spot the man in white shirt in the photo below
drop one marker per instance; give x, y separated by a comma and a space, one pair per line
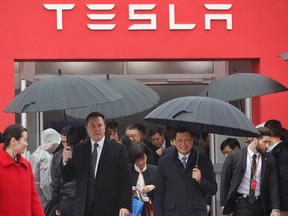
249, 183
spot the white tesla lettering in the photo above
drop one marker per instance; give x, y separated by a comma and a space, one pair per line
209, 17
59, 10
133, 16
173, 25
101, 7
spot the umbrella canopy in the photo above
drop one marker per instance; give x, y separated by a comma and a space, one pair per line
284, 56
60, 93
137, 97
242, 85
203, 114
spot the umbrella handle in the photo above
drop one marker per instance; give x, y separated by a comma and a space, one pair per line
196, 166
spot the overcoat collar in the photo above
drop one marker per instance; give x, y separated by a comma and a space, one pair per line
6, 160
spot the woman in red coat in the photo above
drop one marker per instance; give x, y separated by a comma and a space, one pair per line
18, 195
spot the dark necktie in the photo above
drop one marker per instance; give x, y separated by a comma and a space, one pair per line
94, 158
252, 189
183, 160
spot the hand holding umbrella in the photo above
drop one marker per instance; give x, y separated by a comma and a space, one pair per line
67, 154
196, 174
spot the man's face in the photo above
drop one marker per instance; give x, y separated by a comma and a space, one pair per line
263, 144
134, 135
247, 140
157, 140
184, 142
64, 140
226, 151
96, 128
111, 131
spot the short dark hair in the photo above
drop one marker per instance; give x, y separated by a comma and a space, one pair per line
76, 134
137, 151
125, 140
183, 130
264, 131
64, 131
231, 142
141, 128
133, 127
112, 124
14, 130
275, 126
156, 130
95, 114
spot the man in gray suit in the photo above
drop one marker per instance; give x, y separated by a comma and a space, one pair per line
249, 183
182, 189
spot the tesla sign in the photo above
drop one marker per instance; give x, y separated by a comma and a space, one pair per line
215, 12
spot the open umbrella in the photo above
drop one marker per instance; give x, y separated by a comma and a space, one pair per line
60, 93
203, 114
137, 97
242, 85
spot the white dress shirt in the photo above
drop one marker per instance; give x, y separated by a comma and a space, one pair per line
244, 186
99, 151
180, 156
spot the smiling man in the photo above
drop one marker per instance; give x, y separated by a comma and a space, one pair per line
182, 189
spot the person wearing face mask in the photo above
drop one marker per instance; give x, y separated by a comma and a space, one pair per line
18, 194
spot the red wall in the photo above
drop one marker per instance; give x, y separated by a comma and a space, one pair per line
28, 32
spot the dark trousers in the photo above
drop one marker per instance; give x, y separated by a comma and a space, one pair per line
244, 208
67, 207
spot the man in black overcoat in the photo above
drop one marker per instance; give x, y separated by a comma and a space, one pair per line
103, 187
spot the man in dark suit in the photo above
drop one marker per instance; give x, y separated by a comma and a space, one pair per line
182, 189
102, 176
249, 183
279, 149
158, 142
229, 145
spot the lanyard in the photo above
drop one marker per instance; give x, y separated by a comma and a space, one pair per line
254, 169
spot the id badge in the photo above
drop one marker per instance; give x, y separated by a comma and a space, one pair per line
253, 184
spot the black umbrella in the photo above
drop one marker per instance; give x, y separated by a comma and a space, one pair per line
242, 85
203, 114
137, 97
60, 93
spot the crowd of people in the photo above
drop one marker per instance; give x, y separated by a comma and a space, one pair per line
93, 171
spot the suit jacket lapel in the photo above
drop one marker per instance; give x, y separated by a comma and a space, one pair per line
147, 176
243, 162
134, 175
104, 155
192, 157
177, 161
263, 167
